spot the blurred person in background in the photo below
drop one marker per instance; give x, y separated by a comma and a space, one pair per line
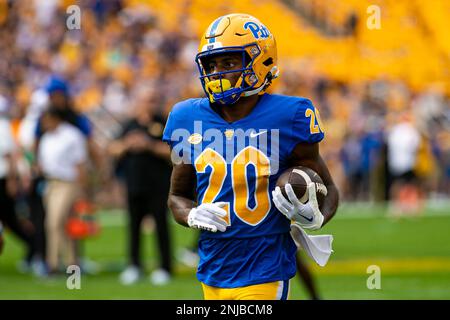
55, 92
34, 185
9, 184
58, 97
62, 156
433, 109
350, 156
144, 162
441, 150
403, 142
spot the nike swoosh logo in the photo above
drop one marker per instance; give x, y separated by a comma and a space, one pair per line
308, 219
254, 134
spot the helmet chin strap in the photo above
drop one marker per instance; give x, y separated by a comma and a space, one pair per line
254, 91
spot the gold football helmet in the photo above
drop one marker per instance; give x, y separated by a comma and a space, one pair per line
247, 35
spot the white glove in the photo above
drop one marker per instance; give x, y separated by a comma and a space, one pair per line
208, 216
307, 215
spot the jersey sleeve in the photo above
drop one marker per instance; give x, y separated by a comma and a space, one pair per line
175, 128
168, 130
306, 125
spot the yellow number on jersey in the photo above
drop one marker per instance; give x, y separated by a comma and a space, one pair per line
210, 157
259, 160
248, 155
313, 114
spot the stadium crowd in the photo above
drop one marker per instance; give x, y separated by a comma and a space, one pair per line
380, 134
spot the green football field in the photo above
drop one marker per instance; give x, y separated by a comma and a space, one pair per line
413, 255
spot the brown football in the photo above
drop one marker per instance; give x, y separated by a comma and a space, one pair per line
299, 177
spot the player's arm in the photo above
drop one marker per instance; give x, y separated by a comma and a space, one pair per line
306, 154
181, 195
182, 202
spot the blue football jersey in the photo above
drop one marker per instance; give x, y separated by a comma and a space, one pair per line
239, 163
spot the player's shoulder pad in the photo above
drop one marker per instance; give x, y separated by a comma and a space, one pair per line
292, 102
304, 103
300, 103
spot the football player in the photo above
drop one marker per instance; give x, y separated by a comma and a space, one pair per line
228, 150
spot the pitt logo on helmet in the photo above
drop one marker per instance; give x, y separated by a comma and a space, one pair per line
244, 34
258, 31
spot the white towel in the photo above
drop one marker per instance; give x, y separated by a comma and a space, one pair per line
317, 247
